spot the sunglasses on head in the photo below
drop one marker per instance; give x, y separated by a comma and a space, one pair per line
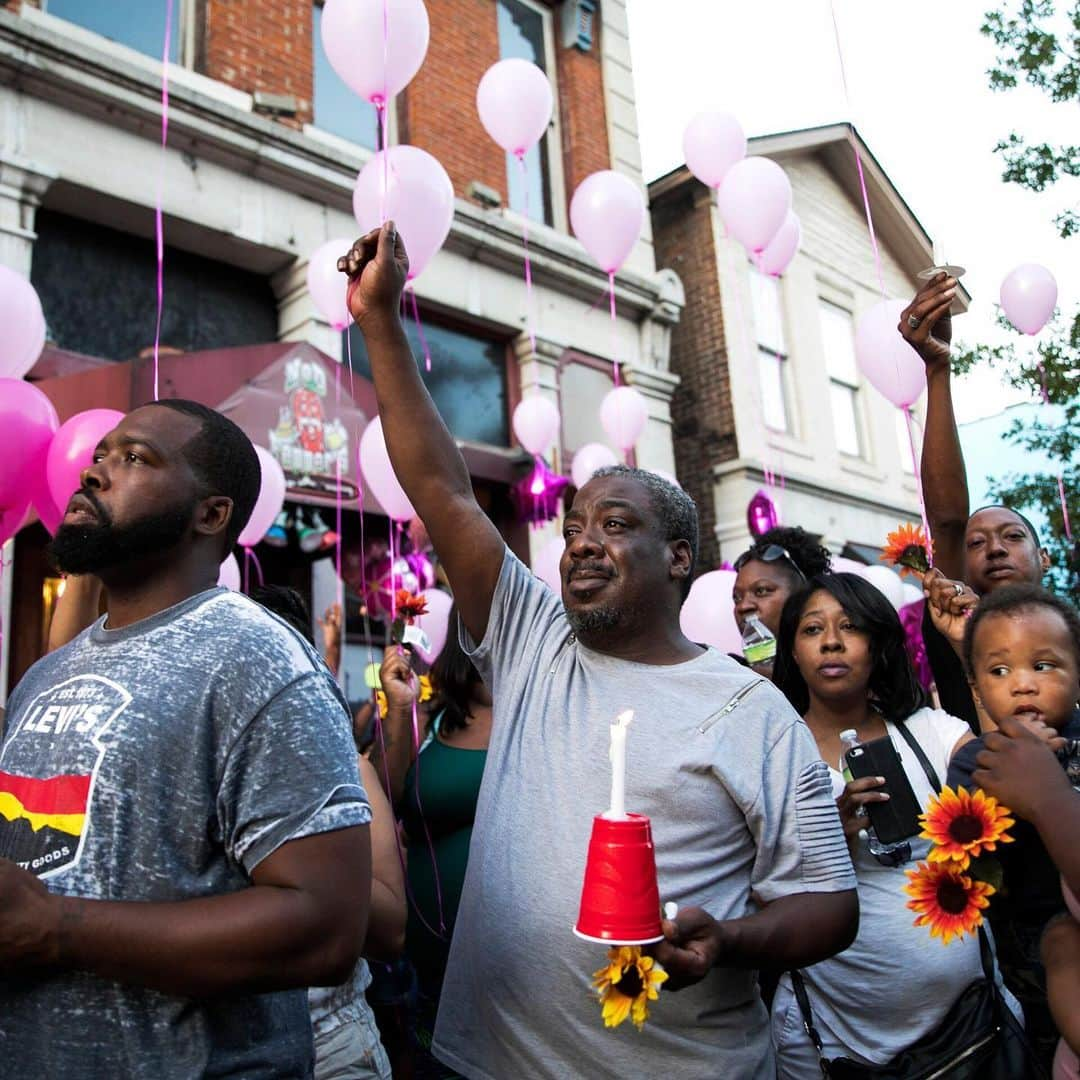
772, 553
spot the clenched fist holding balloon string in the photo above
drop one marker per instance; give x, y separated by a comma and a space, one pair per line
378, 267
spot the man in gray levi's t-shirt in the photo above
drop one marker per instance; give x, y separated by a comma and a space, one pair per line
183, 832
747, 835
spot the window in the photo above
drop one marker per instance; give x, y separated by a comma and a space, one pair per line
135, 23
582, 386
838, 338
524, 34
771, 352
336, 108
467, 379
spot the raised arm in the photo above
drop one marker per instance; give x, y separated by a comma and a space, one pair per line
425, 457
944, 477
301, 923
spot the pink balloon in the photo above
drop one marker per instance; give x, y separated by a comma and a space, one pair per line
840, 565
379, 473
546, 564
436, 623
754, 200
50, 515
22, 324
1028, 297
892, 366
713, 142
270, 501
415, 193
607, 212
623, 415
783, 247
886, 581
671, 478
591, 457
375, 59
230, 574
72, 450
327, 284
27, 424
514, 101
708, 615
11, 519
536, 423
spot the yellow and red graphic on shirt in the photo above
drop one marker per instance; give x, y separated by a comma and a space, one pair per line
57, 802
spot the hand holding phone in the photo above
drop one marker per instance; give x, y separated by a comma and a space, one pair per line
896, 818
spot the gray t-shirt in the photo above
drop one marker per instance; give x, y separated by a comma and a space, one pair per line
740, 802
160, 762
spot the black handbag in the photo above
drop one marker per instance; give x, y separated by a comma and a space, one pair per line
979, 1038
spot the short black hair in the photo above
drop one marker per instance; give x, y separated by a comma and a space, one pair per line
1011, 599
894, 687
287, 603
676, 510
453, 678
806, 554
223, 460
1025, 521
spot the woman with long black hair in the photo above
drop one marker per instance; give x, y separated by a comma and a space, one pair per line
842, 664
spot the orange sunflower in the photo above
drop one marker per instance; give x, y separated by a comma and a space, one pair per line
963, 825
907, 548
947, 900
409, 605
626, 984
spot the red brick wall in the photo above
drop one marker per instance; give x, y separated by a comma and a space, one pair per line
437, 110
259, 45
703, 422
581, 110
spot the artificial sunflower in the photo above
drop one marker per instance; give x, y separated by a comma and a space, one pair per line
907, 548
426, 693
947, 900
963, 825
626, 985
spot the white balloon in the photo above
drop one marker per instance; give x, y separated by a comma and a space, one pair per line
590, 458
546, 564
888, 582
708, 615
623, 416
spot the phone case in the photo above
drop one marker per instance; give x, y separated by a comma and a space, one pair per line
898, 818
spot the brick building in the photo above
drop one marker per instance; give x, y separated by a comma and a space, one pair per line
769, 384
263, 150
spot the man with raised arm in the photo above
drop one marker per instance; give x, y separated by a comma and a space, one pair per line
748, 840
995, 545
183, 833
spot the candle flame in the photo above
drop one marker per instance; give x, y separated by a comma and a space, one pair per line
624, 718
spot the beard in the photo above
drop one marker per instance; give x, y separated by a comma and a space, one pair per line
599, 620
104, 545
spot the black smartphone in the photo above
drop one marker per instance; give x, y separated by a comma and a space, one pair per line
898, 818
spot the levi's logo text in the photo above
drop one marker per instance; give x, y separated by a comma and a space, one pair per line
48, 769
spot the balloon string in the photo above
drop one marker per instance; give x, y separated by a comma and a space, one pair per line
427, 831
858, 156
918, 485
614, 328
340, 580
530, 319
393, 563
250, 556
1060, 475
159, 222
348, 353
420, 329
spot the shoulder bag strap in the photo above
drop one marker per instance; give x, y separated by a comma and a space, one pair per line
799, 987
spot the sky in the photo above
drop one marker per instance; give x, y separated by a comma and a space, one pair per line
918, 93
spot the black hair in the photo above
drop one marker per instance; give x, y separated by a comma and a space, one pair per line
453, 679
806, 554
676, 510
223, 460
894, 687
1011, 599
287, 604
1026, 522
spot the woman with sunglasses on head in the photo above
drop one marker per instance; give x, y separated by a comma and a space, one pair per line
779, 563
842, 664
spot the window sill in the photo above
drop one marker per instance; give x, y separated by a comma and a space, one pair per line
860, 467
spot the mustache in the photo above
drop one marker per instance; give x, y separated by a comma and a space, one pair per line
591, 569
99, 509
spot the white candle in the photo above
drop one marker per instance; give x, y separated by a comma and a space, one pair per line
618, 764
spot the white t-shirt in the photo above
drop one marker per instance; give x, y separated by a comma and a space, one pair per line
895, 983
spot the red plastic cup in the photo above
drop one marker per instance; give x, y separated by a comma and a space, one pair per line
620, 899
